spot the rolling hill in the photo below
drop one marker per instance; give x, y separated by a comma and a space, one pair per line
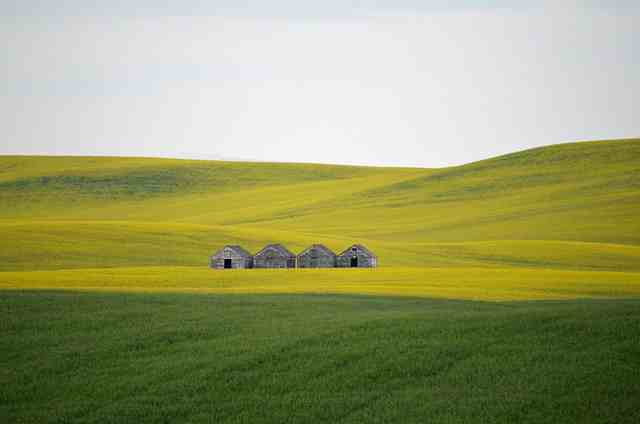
509, 291
571, 206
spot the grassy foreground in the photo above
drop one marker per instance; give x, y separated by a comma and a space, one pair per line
99, 358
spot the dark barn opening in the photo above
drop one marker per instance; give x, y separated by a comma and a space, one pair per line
357, 256
231, 256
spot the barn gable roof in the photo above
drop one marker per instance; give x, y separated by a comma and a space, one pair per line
238, 250
321, 247
279, 248
359, 247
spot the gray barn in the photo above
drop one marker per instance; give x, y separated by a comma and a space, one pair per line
231, 256
274, 256
317, 256
357, 256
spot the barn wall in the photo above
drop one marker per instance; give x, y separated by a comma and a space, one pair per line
313, 258
237, 261
272, 258
273, 262
364, 260
316, 259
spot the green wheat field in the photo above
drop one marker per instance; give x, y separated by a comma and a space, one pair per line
508, 291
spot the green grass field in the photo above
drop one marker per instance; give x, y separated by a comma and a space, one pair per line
97, 358
508, 290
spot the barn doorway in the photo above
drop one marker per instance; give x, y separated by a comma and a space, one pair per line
354, 262
227, 264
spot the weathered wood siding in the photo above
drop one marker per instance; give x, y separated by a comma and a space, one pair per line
365, 259
278, 256
237, 260
272, 258
316, 258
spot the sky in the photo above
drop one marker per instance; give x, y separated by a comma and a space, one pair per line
377, 82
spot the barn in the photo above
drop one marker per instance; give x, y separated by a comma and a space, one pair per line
357, 256
274, 256
231, 256
317, 256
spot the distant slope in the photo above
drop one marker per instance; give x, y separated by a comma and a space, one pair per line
41, 186
572, 206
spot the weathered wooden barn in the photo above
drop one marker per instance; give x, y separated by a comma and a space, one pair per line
231, 256
274, 256
317, 256
357, 256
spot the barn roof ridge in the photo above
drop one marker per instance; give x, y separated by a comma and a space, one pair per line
278, 246
319, 246
359, 246
236, 248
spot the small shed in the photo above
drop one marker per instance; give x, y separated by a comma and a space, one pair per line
357, 256
231, 256
317, 256
274, 256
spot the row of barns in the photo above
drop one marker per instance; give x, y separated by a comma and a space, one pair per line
278, 256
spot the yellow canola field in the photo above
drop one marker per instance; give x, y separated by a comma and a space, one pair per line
452, 283
547, 223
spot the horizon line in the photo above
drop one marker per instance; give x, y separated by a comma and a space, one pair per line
218, 158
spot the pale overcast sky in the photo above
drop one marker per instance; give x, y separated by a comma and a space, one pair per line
383, 82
